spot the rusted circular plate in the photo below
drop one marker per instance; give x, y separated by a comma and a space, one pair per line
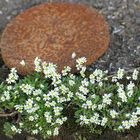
53, 32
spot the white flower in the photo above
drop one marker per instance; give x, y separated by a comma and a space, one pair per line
66, 70
127, 115
121, 93
85, 82
95, 119
135, 74
26, 88
37, 92
84, 106
84, 120
56, 132
126, 124
22, 63
57, 110
9, 88
53, 93
49, 132
69, 95
19, 108
128, 77
100, 84
12, 77
120, 127
114, 79
93, 107
106, 99
89, 103
83, 89
134, 119
71, 82
80, 96
93, 96
104, 121
72, 76
35, 131
7, 95
59, 121
113, 113
64, 119
130, 86
37, 63
31, 118
48, 117
28, 104
38, 98
92, 78
80, 62
99, 75
40, 128
50, 70
73, 55
20, 124
82, 71
138, 111
100, 106
13, 128
120, 73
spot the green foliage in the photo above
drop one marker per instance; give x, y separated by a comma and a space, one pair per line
49, 103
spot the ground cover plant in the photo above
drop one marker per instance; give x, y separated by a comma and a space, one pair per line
45, 102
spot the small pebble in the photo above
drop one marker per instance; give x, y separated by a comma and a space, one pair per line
138, 47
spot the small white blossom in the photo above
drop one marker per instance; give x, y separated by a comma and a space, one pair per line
122, 94
50, 70
85, 82
95, 119
83, 89
89, 103
120, 73
80, 96
59, 121
22, 63
84, 120
37, 92
73, 55
35, 132
13, 128
49, 132
130, 86
71, 82
66, 70
48, 117
37, 63
113, 113
106, 99
126, 124
31, 118
80, 62
135, 74
104, 121
26, 88
12, 77
56, 132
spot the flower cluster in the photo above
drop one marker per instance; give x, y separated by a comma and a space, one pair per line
98, 101
12, 77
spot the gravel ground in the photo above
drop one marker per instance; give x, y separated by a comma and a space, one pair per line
123, 17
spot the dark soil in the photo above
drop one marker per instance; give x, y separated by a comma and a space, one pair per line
123, 17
